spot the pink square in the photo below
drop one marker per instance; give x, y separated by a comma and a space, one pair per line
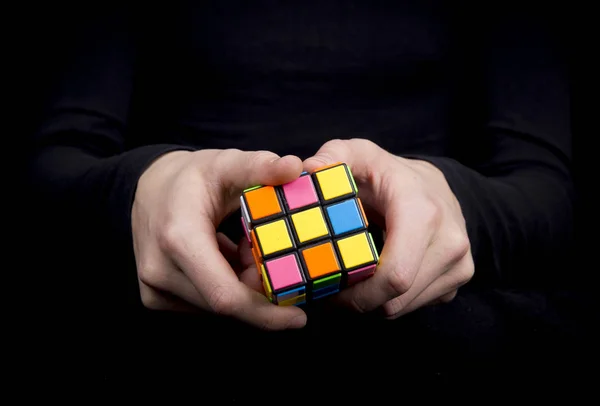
360, 274
283, 271
300, 193
245, 227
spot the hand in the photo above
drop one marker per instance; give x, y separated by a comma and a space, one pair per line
181, 261
426, 255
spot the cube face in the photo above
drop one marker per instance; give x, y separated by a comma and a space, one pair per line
309, 225
345, 217
320, 260
262, 203
284, 272
309, 238
274, 237
357, 251
300, 193
335, 183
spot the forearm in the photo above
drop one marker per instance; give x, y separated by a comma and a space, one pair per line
520, 223
511, 169
86, 190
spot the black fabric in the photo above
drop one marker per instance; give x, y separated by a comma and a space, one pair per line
484, 99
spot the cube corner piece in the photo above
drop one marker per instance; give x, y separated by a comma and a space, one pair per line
334, 182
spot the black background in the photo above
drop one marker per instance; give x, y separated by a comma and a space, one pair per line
60, 324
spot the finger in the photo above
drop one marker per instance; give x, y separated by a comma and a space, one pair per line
243, 169
164, 276
428, 297
154, 299
229, 250
447, 298
245, 254
435, 263
361, 157
250, 278
180, 286
442, 290
249, 275
173, 281
356, 153
407, 240
197, 254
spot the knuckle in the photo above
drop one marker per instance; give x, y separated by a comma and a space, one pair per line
458, 245
223, 158
230, 153
152, 275
362, 144
331, 149
336, 150
334, 144
258, 160
448, 297
462, 274
466, 273
170, 236
358, 304
220, 301
393, 307
430, 213
260, 157
149, 299
398, 282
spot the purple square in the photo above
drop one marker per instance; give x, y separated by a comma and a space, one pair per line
300, 193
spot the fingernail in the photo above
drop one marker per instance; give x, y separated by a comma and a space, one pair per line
298, 321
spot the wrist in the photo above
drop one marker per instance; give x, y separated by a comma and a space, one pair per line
424, 168
161, 169
164, 165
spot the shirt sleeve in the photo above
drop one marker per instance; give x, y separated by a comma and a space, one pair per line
82, 170
511, 171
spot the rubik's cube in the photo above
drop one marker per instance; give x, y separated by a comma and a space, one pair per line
309, 237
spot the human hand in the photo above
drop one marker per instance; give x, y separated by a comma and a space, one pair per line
426, 255
181, 260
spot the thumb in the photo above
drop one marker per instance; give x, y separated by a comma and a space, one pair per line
360, 155
244, 169
330, 153
364, 159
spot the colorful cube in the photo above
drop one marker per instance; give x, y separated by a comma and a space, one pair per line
309, 238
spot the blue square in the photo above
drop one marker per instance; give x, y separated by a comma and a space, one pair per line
345, 217
326, 291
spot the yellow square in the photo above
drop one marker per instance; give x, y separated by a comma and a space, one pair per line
309, 224
274, 237
294, 300
334, 182
355, 250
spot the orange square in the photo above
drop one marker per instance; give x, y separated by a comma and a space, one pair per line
263, 202
320, 260
362, 210
255, 251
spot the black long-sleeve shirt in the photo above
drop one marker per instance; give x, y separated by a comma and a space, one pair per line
479, 91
